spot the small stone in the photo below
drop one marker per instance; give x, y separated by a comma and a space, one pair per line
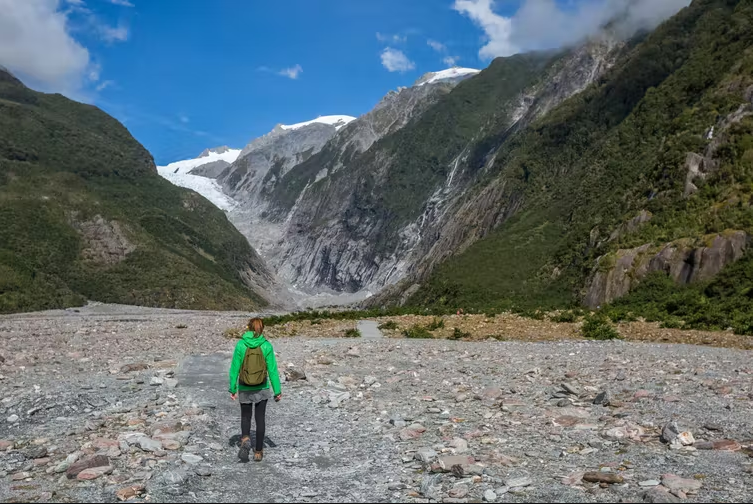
94, 473
649, 483
518, 482
602, 477
149, 445
659, 495
174, 476
190, 458
203, 470
425, 455
138, 366
460, 445
458, 492
713, 427
89, 463
603, 398
413, 431
686, 438
20, 476
4, 445
170, 444
171, 383
13, 418
448, 461
36, 452
570, 389
130, 492
156, 381
490, 496
669, 432
461, 397
674, 482
726, 445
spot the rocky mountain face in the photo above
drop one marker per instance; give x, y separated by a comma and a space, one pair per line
84, 215
276, 170
379, 212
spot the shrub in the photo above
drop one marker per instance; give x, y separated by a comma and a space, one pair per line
352, 333
389, 325
457, 334
417, 331
437, 323
598, 327
564, 317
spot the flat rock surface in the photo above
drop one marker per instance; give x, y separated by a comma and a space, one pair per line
80, 384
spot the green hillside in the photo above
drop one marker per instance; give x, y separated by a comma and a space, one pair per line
612, 151
84, 215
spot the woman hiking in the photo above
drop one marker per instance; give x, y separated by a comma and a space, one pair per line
254, 366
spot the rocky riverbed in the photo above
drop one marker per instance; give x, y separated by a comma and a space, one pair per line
113, 403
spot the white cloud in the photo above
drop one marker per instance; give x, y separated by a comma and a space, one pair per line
292, 72
184, 119
543, 24
437, 46
124, 3
395, 60
450, 61
76, 2
391, 39
35, 43
104, 85
113, 33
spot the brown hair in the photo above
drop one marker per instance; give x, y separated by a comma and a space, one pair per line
256, 326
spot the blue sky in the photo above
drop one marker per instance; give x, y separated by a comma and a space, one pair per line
184, 75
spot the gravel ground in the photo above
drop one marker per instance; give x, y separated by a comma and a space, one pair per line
112, 402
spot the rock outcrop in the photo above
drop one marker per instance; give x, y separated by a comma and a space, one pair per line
617, 273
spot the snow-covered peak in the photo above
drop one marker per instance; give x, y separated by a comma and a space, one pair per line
338, 121
451, 74
208, 156
215, 150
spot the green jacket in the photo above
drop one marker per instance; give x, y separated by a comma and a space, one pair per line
250, 340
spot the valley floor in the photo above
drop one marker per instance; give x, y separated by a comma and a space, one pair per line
378, 419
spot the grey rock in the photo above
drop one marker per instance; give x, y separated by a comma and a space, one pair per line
522, 481
149, 444
176, 476
190, 458
490, 496
425, 455
13, 419
603, 398
669, 432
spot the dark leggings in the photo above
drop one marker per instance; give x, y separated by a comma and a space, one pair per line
246, 412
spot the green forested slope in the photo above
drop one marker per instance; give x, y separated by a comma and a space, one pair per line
84, 215
613, 150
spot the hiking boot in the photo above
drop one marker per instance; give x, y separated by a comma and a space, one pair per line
258, 455
245, 449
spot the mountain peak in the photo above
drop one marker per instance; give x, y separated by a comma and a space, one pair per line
215, 150
451, 74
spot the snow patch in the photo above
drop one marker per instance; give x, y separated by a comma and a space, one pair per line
183, 167
338, 121
449, 74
